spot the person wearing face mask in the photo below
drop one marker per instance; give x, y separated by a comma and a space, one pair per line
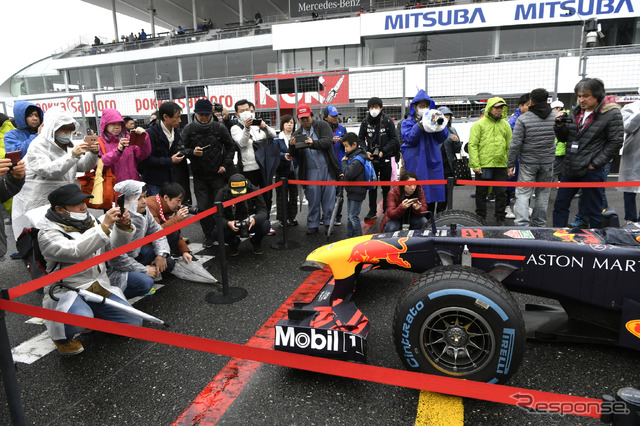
52, 161
247, 135
67, 235
210, 149
489, 143
134, 272
380, 138
29, 118
421, 148
120, 156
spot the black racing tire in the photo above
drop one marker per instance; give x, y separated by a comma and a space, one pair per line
458, 321
459, 217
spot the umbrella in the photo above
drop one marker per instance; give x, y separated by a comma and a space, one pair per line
193, 271
98, 298
268, 158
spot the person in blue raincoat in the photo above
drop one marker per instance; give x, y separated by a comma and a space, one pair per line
421, 149
29, 118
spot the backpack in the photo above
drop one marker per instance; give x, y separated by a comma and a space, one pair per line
369, 171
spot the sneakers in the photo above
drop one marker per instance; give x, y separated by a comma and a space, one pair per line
509, 213
272, 231
15, 256
257, 249
337, 223
70, 348
208, 242
312, 231
578, 223
292, 222
371, 215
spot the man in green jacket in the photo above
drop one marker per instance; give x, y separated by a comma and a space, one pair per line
488, 150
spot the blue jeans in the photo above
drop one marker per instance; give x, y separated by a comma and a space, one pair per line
321, 198
147, 255
630, 210
415, 222
354, 229
97, 310
138, 284
591, 200
532, 173
152, 190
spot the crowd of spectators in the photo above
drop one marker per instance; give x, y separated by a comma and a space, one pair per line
232, 157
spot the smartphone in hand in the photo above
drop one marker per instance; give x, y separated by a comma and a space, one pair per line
14, 156
121, 203
136, 139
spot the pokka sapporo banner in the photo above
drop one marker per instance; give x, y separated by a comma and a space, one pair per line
323, 89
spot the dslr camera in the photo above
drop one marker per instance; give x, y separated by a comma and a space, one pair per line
564, 118
192, 209
243, 225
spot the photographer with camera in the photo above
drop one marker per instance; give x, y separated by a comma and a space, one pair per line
594, 133
421, 147
407, 206
381, 141
533, 142
168, 209
210, 150
245, 217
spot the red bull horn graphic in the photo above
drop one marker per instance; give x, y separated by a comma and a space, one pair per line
373, 251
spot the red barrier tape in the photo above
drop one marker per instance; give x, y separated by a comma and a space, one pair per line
30, 286
448, 385
549, 184
366, 183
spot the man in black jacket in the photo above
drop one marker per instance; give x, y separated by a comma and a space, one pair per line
245, 217
593, 135
381, 142
210, 150
312, 145
166, 163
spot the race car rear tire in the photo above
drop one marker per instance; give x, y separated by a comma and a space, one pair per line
457, 321
459, 217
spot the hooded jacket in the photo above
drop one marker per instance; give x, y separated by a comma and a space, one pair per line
533, 137
489, 139
48, 167
629, 170
421, 150
123, 165
19, 139
597, 142
221, 149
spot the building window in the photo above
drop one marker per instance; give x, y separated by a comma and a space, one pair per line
191, 68
303, 59
352, 56
319, 58
335, 57
265, 61
123, 76
106, 78
239, 63
214, 65
287, 61
145, 73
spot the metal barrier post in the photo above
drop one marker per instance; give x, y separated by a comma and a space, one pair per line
284, 198
451, 183
9, 376
229, 294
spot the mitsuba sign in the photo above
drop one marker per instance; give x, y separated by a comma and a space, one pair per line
329, 88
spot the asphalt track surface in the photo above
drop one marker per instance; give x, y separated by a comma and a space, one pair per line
119, 380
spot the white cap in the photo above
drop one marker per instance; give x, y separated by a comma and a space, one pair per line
557, 104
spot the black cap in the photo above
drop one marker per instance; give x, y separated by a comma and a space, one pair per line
203, 106
67, 195
238, 184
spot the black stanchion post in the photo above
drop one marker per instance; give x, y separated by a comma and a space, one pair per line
9, 376
451, 183
284, 197
229, 294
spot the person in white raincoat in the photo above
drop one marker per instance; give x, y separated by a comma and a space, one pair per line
52, 161
68, 235
134, 272
630, 160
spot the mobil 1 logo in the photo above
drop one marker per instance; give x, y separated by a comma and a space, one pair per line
327, 343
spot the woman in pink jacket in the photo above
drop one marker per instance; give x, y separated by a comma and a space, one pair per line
121, 157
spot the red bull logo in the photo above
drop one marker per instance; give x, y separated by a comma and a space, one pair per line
633, 327
373, 251
586, 237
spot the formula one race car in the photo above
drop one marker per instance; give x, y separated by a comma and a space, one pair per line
458, 318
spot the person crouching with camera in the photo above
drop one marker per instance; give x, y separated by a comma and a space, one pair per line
244, 218
168, 209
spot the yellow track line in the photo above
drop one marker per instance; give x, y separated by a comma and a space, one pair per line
437, 409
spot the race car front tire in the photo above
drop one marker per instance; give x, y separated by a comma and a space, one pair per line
459, 217
457, 321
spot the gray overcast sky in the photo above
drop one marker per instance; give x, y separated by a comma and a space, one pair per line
34, 29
